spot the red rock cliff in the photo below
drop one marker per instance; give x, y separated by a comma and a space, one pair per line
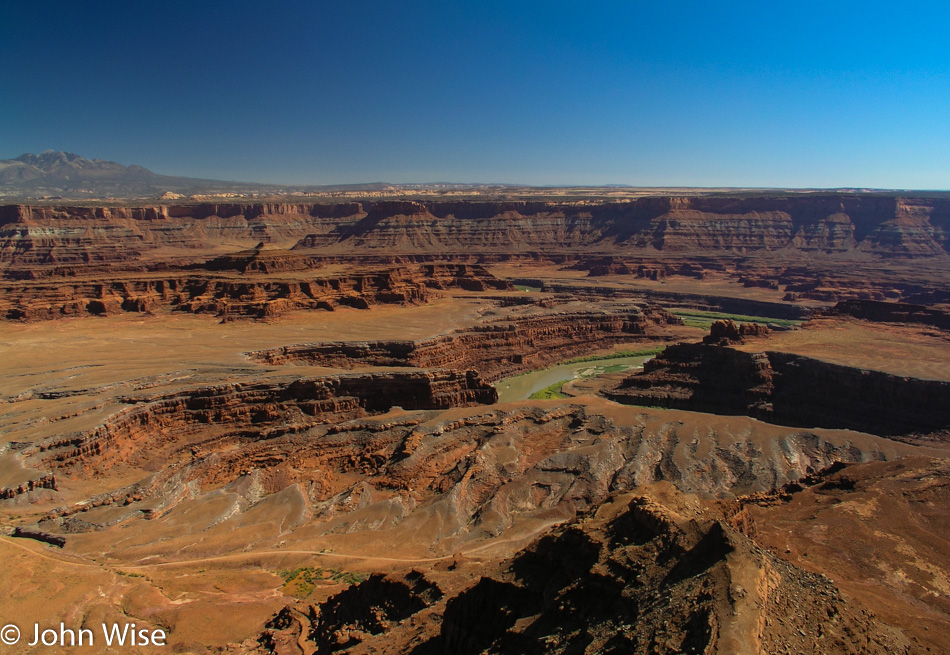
868, 225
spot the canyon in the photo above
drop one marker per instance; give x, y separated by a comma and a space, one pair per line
788, 389
820, 223
502, 347
273, 427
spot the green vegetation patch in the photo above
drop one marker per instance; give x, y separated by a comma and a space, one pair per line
524, 287
653, 350
130, 575
697, 323
301, 582
703, 319
349, 577
553, 391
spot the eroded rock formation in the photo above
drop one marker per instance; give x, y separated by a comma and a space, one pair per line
830, 223
480, 474
261, 259
626, 549
788, 389
728, 331
42, 482
636, 576
892, 312
253, 411
248, 296
499, 349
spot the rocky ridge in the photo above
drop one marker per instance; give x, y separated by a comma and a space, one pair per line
437, 482
235, 296
252, 411
496, 349
787, 389
893, 312
627, 550
832, 223
634, 576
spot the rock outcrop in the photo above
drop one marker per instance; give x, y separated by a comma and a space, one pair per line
253, 411
369, 609
42, 482
261, 259
727, 331
437, 484
892, 312
229, 296
827, 223
636, 576
616, 265
704, 378
38, 535
854, 523
498, 349
788, 389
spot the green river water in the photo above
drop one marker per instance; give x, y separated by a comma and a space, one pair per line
520, 387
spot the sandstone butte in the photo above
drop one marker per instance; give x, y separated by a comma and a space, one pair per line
274, 428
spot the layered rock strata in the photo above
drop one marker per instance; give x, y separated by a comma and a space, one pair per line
248, 296
788, 389
823, 223
496, 350
825, 279
892, 312
435, 484
728, 331
673, 299
261, 259
247, 412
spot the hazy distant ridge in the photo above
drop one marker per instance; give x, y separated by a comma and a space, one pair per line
54, 173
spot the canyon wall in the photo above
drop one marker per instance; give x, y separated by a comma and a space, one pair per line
233, 296
825, 223
788, 389
892, 312
673, 299
464, 476
247, 412
496, 350
821, 223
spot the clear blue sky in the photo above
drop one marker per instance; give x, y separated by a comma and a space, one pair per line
798, 94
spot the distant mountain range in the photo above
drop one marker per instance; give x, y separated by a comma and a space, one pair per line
54, 174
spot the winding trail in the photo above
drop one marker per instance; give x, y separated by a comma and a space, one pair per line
65, 559
251, 555
61, 559
70, 560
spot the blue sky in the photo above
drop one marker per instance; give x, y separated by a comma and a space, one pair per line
692, 94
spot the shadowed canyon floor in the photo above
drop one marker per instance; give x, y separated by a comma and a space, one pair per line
272, 428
